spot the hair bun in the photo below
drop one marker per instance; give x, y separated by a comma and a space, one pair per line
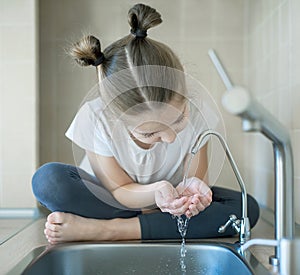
87, 51
141, 18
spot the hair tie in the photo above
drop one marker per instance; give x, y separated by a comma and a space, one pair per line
139, 33
99, 60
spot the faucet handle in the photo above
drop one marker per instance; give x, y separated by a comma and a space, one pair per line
233, 221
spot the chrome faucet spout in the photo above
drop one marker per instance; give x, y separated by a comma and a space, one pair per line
257, 119
244, 225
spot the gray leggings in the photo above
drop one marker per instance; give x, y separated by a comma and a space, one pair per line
66, 188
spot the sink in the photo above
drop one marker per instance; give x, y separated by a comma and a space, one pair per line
137, 258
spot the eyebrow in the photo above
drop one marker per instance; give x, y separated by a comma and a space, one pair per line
176, 121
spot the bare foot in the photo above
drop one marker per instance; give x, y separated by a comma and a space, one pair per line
65, 227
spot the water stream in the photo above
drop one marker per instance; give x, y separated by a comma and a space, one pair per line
183, 221
182, 224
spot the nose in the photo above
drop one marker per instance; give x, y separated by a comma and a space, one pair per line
168, 136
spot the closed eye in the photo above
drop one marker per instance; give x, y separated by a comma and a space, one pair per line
178, 121
148, 135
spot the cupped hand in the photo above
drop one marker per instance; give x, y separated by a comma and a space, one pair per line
168, 200
199, 195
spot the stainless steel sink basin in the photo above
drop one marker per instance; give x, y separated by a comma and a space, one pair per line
137, 258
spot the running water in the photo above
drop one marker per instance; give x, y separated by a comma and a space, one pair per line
182, 223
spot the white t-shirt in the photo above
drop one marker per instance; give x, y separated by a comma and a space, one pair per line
92, 131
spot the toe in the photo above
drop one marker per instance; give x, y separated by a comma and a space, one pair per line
51, 226
51, 234
55, 218
53, 240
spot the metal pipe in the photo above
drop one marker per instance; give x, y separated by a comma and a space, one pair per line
220, 69
289, 253
245, 226
196, 148
272, 129
256, 118
263, 242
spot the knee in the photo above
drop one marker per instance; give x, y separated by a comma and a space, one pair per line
46, 178
253, 210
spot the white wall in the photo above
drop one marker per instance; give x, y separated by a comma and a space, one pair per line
273, 54
18, 99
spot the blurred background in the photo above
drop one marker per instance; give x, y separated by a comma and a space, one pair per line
41, 88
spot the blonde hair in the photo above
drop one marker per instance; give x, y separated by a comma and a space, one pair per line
133, 51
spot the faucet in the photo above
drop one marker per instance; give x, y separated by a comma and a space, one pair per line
256, 118
289, 253
242, 226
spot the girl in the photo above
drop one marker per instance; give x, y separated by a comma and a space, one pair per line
137, 134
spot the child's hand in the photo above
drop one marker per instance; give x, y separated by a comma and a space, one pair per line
167, 199
199, 194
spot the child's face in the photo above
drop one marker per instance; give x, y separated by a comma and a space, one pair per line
160, 124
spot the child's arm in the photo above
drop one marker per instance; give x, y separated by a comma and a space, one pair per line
127, 192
